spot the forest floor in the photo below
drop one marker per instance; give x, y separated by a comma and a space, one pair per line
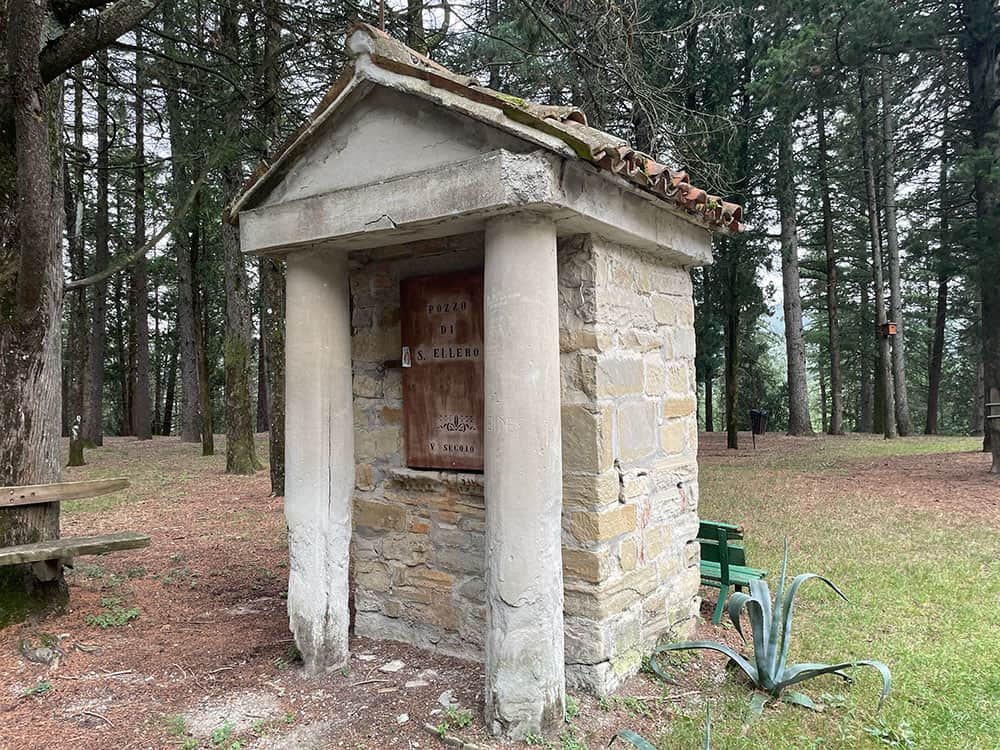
185, 644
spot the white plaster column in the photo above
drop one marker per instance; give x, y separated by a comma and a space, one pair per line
319, 454
525, 672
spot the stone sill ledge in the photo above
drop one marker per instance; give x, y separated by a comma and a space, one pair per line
432, 480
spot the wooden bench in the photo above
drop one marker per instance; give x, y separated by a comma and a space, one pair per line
47, 557
724, 564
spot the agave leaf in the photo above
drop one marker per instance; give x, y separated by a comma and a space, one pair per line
757, 613
802, 672
774, 631
760, 591
749, 669
734, 608
737, 601
633, 739
655, 667
789, 607
757, 605
799, 699
757, 703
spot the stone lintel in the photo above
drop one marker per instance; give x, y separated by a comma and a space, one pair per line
461, 197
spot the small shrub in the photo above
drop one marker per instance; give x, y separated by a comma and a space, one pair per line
570, 741
116, 615
176, 725
92, 571
460, 716
220, 734
572, 708
636, 706
900, 736
537, 740
40, 689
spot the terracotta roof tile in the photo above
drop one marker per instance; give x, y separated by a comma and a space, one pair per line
568, 124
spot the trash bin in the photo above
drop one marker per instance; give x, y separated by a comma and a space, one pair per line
758, 424
758, 421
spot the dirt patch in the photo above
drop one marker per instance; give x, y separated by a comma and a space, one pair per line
210, 645
951, 486
234, 713
944, 484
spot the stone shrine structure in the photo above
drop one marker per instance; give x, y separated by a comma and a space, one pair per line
490, 414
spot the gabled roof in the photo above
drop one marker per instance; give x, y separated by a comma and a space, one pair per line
562, 129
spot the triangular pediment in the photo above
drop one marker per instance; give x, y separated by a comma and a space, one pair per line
379, 134
394, 112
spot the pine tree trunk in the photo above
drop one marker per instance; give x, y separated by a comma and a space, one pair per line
123, 332
272, 270
187, 338
732, 332
866, 411
416, 35
937, 357
31, 292
93, 407
168, 398
799, 422
272, 290
76, 345
832, 305
979, 404
981, 46
157, 362
261, 425
941, 312
709, 396
904, 423
190, 416
241, 454
822, 400
888, 414
878, 398
141, 418
207, 420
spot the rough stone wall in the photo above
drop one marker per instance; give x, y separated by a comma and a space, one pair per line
418, 551
629, 471
630, 488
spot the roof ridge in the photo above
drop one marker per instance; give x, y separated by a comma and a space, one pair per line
566, 123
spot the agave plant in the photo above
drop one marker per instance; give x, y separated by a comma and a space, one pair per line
771, 629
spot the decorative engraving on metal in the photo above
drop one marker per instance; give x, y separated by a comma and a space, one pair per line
442, 330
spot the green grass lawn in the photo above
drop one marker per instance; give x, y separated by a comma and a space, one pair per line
924, 599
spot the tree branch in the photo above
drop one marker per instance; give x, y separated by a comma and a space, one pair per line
91, 34
124, 261
67, 10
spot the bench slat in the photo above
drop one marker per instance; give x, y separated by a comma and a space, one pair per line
737, 573
711, 529
34, 494
710, 552
57, 549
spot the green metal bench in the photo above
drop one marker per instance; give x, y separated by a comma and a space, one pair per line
724, 564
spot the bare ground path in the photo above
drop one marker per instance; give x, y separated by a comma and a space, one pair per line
196, 651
